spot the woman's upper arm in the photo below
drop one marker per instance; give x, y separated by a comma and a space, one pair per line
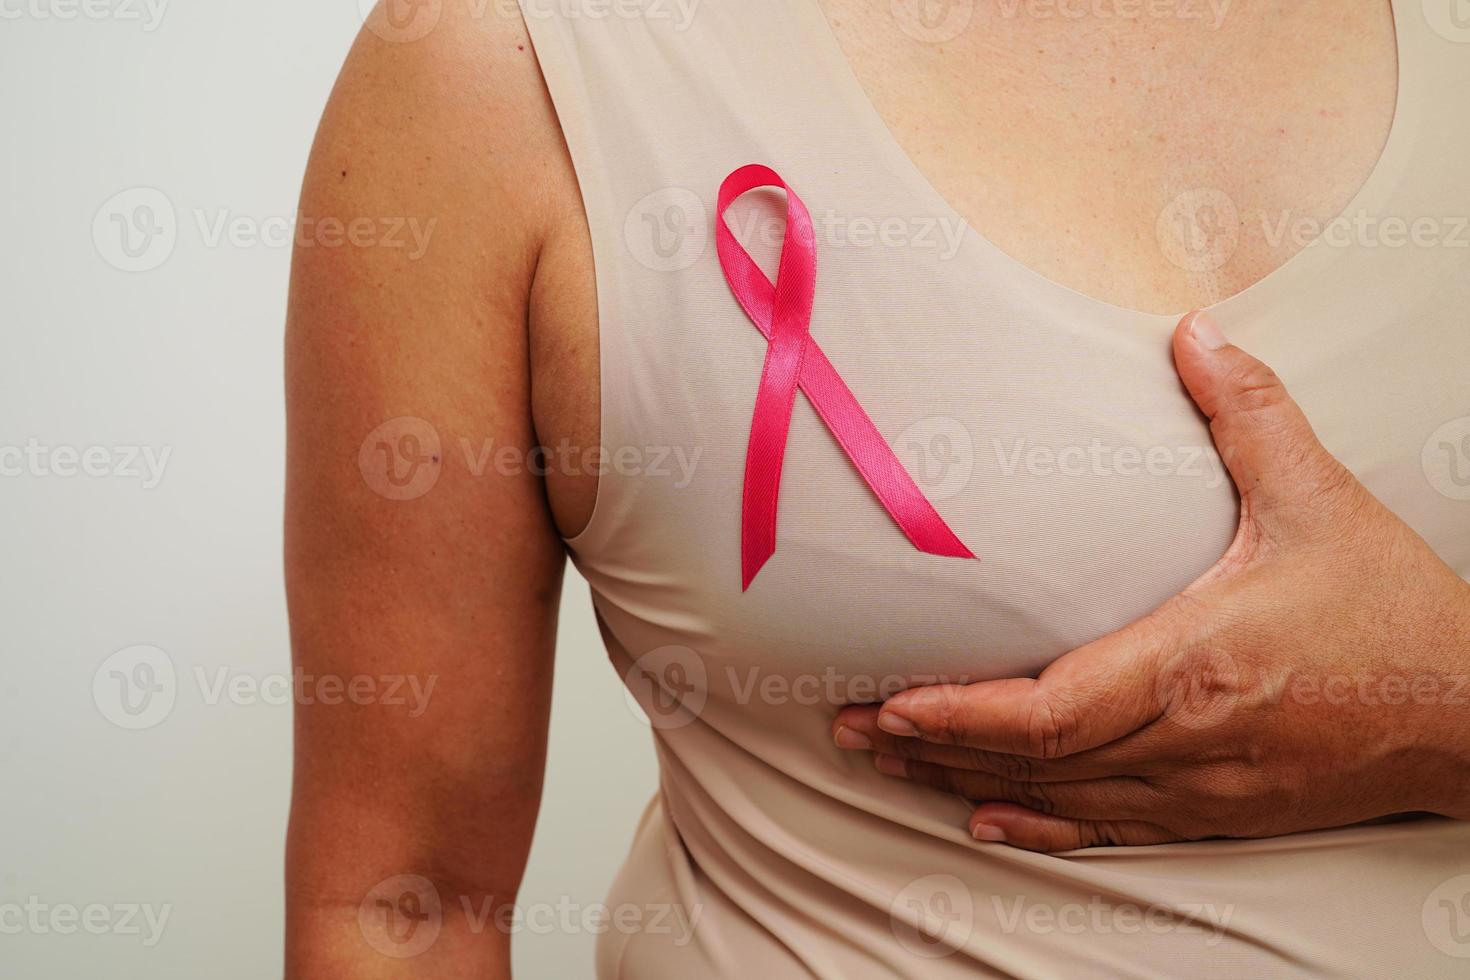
423, 573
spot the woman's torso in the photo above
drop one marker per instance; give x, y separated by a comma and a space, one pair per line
1033, 406
1091, 149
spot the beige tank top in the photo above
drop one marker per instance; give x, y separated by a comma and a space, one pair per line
1051, 433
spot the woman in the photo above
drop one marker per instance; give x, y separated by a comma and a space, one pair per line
1195, 709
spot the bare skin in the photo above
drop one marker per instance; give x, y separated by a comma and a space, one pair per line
492, 334
1063, 139
462, 583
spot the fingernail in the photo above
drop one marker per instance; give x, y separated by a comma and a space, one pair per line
896, 724
1204, 329
891, 765
987, 832
849, 739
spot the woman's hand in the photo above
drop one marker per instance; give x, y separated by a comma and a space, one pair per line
1317, 676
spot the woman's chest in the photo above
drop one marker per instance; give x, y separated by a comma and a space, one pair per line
1049, 430
1053, 437
1160, 161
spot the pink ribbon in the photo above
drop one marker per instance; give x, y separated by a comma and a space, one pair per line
783, 313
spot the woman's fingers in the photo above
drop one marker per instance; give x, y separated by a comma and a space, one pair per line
856, 728
1113, 798
1015, 825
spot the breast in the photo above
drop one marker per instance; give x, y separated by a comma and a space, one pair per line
1050, 431
1060, 448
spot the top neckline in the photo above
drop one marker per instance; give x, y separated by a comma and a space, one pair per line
1370, 195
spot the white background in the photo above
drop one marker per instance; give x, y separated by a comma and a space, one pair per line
210, 106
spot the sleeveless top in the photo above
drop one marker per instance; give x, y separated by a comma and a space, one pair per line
1051, 433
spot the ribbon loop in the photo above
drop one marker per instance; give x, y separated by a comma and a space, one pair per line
782, 312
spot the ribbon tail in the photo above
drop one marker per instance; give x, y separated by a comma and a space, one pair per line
884, 474
753, 557
765, 454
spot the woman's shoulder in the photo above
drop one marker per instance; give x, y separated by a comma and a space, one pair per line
440, 112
